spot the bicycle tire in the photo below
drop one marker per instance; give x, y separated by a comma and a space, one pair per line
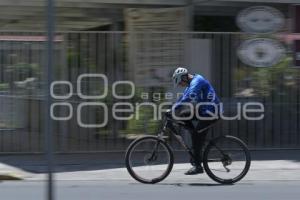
131, 171
212, 175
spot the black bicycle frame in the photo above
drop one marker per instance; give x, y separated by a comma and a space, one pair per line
169, 127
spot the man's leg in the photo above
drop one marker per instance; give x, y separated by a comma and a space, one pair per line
197, 146
198, 142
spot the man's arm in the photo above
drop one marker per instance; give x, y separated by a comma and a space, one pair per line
190, 95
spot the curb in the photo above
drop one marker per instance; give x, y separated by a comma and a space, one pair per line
10, 177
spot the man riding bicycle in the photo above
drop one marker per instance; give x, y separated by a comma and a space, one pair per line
199, 93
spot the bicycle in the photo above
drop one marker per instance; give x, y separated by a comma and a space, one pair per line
220, 156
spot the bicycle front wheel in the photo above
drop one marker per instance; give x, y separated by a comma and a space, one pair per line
226, 159
149, 159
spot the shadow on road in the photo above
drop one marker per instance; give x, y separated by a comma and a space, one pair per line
188, 184
37, 163
197, 184
208, 184
193, 184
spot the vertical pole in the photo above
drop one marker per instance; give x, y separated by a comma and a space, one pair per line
48, 76
189, 16
296, 29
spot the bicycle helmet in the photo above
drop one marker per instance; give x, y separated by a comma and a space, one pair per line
177, 75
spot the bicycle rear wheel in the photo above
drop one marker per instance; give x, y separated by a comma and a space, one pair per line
226, 159
149, 159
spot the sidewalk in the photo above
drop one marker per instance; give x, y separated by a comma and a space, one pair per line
264, 167
279, 170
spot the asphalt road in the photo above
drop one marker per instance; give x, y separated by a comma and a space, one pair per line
130, 190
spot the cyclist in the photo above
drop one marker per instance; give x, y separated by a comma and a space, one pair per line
197, 90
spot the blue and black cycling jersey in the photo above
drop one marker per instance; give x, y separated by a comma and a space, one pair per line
199, 90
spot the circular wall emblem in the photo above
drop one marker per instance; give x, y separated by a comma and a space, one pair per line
260, 19
261, 52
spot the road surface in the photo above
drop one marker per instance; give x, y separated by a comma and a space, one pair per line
130, 190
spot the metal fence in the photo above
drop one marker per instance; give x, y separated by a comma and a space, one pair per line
146, 59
